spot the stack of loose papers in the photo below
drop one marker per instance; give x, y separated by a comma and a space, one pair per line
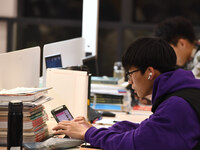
29, 96
34, 115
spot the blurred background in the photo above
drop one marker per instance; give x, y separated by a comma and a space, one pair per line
38, 22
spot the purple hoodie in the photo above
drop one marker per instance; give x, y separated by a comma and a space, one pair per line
174, 125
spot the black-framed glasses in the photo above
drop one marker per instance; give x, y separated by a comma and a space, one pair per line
128, 74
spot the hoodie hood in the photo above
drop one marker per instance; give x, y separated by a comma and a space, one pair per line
173, 81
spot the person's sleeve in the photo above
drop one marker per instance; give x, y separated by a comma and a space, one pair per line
110, 140
146, 136
161, 131
124, 126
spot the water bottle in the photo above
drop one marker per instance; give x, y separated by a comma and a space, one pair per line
15, 125
118, 70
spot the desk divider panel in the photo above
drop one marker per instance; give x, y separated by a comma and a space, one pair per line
70, 88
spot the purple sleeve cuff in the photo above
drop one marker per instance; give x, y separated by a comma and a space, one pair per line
88, 133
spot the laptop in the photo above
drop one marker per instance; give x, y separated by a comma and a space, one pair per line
54, 143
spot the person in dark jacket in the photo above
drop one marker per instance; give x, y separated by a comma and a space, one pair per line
174, 124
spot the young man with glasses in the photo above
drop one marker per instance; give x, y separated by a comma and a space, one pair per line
175, 122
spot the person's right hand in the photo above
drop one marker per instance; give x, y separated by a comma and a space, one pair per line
74, 129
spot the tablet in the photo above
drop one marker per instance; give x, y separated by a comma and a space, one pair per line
62, 113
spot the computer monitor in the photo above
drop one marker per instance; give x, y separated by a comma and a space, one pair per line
92, 64
20, 68
53, 61
71, 51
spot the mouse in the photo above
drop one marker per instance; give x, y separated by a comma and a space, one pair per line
108, 114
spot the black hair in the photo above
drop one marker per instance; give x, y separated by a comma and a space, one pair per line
150, 52
172, 29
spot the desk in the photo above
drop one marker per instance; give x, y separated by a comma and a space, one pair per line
76, 148
134, 116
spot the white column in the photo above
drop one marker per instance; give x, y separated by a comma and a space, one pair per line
90, 25
8, 8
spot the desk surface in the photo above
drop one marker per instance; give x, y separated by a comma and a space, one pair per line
135, 116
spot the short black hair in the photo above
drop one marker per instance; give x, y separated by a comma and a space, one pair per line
150, 52
175, 28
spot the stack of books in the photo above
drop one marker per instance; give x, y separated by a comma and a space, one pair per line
106, 80
34, 116
107, 99
107, 94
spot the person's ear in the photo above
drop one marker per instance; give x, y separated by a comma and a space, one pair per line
181, 44
150, 73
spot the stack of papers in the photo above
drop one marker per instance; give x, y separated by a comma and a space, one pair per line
29, 96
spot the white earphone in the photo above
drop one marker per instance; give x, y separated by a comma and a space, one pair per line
150, 74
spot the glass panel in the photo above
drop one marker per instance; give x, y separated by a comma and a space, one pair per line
57, 9
109, 10
34, 35
131, 34
107, 50
157, 10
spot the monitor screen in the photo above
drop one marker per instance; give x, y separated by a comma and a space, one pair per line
53, 61
91, 63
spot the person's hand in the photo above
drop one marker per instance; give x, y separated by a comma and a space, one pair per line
82, 121
75, 128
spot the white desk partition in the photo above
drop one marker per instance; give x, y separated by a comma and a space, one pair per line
72, 52
20, 68
70, 88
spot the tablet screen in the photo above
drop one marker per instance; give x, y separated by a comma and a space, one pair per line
61, 113
64, 115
